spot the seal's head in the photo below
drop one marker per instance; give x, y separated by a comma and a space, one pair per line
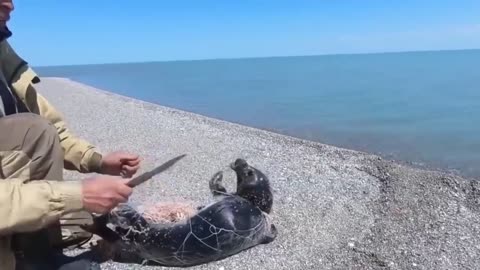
253, 185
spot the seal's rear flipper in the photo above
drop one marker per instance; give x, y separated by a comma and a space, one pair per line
271, 235
216, 185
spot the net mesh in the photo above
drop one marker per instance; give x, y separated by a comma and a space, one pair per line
168, 212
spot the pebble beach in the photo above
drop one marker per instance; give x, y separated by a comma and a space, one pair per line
334, 208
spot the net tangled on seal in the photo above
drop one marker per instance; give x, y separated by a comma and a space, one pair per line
165, 212
168, 212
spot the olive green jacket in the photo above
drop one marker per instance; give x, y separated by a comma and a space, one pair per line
27, 207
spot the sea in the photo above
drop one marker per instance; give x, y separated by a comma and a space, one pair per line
421, 107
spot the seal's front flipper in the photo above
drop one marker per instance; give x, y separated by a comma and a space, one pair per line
216, 186
125, 216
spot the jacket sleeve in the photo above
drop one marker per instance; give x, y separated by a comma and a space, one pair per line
26, 207
80, 155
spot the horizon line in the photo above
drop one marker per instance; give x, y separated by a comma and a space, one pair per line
257, 57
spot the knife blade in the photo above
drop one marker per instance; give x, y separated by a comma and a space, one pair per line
148, 175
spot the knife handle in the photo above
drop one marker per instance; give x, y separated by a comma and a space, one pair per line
139, 179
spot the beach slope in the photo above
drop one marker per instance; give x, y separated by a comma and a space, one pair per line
334, 208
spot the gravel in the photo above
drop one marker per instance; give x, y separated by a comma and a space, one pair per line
334, 208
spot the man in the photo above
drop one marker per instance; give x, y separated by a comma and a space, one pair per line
35, 147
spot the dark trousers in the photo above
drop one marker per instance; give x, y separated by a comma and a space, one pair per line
55, 260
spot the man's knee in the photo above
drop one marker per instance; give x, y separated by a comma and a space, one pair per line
32, 127
31, 136
41, 131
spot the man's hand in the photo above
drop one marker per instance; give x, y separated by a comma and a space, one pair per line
103, 193
120, 163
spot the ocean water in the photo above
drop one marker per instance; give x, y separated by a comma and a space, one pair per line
422, 107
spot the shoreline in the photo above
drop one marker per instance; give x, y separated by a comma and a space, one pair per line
335, 208
260, 57
425, 165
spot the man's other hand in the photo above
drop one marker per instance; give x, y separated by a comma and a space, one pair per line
120, 163
103, 193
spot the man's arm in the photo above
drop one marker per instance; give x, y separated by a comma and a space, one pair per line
26, 207
80, 155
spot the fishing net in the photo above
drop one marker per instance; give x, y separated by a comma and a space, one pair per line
168, 212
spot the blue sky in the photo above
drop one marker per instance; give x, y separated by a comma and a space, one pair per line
53, 32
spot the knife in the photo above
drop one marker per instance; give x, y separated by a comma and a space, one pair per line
148, 175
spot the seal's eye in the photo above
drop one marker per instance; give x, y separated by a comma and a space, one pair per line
250, 173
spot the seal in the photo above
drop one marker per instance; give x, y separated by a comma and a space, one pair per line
234, 222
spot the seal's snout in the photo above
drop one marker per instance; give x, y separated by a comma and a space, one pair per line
239, 164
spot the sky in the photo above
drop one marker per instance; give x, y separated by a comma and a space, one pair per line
53, 32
